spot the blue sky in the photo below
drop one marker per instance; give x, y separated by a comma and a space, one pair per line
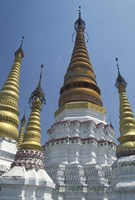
47, 26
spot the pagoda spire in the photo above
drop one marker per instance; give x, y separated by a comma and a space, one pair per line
127, 121
30, 153
80, 80
33, 128
22, 131
9, 96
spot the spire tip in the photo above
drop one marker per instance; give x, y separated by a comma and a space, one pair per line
117, 64
79, 10
22, 40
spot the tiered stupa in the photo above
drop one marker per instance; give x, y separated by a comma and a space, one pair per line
123, 182
27, 178
9, 96
80, 147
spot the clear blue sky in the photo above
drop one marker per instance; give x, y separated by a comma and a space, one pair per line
47, 26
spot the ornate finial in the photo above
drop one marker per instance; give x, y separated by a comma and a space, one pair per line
22, 41
117, 64
120, 81
41, 74
20, 48
79, 11
79, 23
38, 92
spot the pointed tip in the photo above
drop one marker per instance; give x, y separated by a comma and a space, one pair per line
79, 22
117, 64
120, 81
79, 11
23, 120
38, 92
20, 51
39, 84
22, 41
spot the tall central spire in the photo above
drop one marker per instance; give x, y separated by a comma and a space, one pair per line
80, 80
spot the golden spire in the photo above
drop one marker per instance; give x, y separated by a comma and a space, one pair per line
33, 129
80, 80
127, 121
22, 130
9, 96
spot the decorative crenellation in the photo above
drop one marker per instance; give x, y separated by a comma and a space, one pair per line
81, 129
30, 159
68, 140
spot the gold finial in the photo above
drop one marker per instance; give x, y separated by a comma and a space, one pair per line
33, 128
9, 96
79, 24
127, 121
120, 84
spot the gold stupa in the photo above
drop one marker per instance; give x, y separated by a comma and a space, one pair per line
9, 96
33, 129
127, 121
80, 86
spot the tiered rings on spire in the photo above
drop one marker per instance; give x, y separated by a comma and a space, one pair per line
30, 155
127, 121
80, 80
33, 128
9, 96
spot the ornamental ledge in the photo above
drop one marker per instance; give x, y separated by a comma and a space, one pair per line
123, 164
67, 123
67, 140
4, 102
84, 189
9, 120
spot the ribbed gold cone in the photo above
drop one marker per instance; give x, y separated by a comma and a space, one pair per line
9, 96
21, 133
127, 122
80, 80
32, 136
33, 129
